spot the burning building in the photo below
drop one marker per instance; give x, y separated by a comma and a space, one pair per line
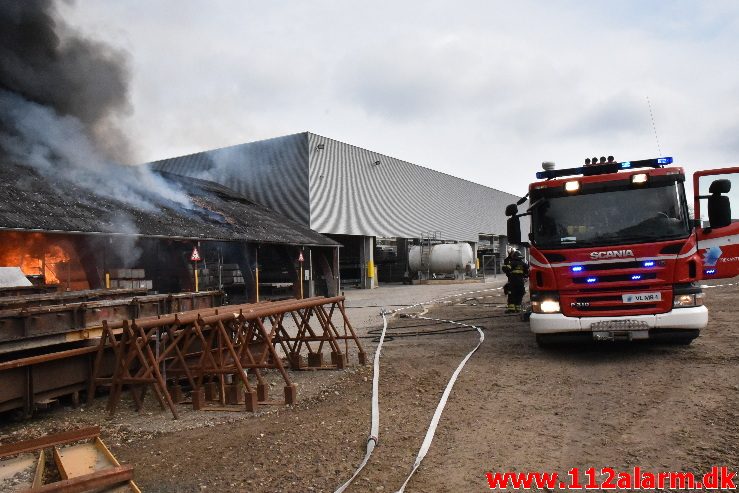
66, 235
102, 240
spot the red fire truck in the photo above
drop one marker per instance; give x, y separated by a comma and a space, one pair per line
615, 255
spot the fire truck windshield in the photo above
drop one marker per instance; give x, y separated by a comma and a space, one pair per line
609, 216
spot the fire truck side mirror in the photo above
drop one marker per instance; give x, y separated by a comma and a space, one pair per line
514, 230
719, 206
511, 210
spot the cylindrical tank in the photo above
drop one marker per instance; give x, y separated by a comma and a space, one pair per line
445, 258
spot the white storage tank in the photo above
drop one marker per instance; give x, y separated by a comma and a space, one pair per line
445, 258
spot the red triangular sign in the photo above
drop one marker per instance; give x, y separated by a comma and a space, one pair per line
300, 257
195, 257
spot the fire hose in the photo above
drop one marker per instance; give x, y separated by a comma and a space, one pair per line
373, 439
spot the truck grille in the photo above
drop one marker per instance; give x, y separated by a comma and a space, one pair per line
608, 308
596, 302
615, 278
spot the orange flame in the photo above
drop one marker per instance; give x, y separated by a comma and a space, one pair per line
35, 254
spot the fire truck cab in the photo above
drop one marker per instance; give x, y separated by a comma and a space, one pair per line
615, 254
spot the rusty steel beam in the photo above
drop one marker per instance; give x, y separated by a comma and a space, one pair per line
89, 482
37, 322
44, 358
61, 371
49, 441
44, 299
23, 290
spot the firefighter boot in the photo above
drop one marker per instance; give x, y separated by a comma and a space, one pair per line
510, 308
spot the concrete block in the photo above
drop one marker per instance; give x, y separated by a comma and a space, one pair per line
291, 394
315, 360
251, 401
262, 392
198, 398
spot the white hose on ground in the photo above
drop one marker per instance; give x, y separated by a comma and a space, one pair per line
708, 286
426, 444
375, 425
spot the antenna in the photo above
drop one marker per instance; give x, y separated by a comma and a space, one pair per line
654, 127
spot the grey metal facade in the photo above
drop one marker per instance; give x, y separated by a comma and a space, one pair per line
337, 188
272, 172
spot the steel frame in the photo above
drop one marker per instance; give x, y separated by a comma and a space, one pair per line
216, 351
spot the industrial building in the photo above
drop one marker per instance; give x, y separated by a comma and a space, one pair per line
373, 204
63, 234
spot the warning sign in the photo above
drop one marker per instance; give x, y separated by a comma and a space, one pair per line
300, 257
195, 257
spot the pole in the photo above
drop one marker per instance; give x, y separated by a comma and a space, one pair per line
310, 272
256, 270
196, 278
338, 270
300, 277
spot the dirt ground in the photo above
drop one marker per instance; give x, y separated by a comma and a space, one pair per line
514, 407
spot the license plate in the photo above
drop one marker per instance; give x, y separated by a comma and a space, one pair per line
641, 297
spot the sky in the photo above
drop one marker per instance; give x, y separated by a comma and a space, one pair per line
482, 90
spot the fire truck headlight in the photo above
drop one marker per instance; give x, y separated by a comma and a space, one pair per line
545, 306
688, 300
639, 179
572, 186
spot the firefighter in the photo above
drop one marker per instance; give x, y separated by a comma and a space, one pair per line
517, 270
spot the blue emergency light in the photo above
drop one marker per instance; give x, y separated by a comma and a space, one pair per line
601, 169
710, 271
577, 268
636, 277
649, 263
591, 280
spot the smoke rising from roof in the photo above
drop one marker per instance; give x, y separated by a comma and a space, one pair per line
59, 96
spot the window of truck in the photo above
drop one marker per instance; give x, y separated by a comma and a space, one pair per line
609, 214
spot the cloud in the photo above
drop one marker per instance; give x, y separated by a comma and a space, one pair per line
482, 90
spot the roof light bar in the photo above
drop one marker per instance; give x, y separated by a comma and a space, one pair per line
601, 169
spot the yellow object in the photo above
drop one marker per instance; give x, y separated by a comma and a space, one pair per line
196, 280
477, 263
107, 280
256, 281
370, 269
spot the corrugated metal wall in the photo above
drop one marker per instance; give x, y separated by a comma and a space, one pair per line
272, 172
338, 189
350, 194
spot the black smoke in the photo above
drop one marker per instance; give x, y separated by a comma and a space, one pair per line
60, 95
44, 61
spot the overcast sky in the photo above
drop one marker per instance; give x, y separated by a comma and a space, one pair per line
483, 90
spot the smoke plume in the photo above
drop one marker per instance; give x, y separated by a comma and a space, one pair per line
60, 94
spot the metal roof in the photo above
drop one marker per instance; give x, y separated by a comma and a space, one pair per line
338, 188
32, 202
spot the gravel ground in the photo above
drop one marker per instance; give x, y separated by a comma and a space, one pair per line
514, 407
